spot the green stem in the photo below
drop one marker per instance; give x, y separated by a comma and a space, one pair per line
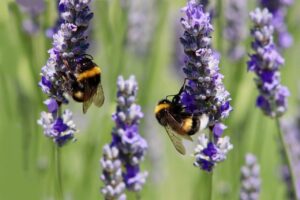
211, 186
138, 196
59, 189
287, 156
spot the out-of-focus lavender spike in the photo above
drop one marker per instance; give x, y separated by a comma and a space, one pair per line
236, 29
265, 62
69, 43
204, 93
278, 8
250, 179
114, 186
178, 55
291, 129
155, 155
51, 31
32, 8
141, 25
132, 147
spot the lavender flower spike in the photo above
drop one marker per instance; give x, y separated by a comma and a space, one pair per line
126, 137
141, 25
114, 188
250, 179
266, 62
69, 44
33, 8
291, 128
204, 93
236, 31
278, 8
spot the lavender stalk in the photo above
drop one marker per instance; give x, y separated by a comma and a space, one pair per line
265, 63
204, 92
291, 129
250, 179
69, 43
235, 31
127, 147
33, 8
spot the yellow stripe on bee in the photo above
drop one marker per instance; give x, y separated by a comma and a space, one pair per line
187, 124
89, 73
160, 107
78, 95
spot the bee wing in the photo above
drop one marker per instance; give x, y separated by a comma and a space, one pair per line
98, 98
86, 105
176, 140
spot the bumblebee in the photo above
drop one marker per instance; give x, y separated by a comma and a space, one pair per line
85, 84
177, 123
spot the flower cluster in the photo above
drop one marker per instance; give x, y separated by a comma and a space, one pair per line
33, 8
210, 153
60, 128
112, 174
125, 136
204, 92
278, 8
250, 179
69, 44
236, 31
266, 62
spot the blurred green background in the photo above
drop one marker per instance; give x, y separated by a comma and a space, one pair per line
27, 169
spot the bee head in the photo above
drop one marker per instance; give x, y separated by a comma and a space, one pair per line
164, 101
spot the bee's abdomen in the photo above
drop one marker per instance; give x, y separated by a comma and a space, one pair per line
195, 126
89, 74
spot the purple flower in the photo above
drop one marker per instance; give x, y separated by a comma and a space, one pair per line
236, 32
69, 44
204, 93
209, 153
250, 179
114, 186
142, 19
60, 128
265, 62
32, 8
278, 8
125, 135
